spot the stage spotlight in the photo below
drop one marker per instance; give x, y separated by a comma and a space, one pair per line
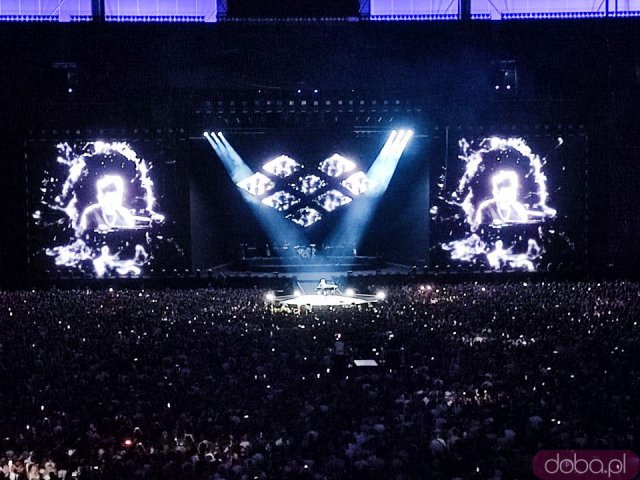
370, 188
233, 163
258, 186
296, 293
380, 295
270, 297
349, 292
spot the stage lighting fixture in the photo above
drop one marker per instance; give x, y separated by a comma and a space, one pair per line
332, 199
309, 184
337, 165
281, 166
380, 295
505, 77
281, 200
257, 184
270, 297
305, 217
358, 183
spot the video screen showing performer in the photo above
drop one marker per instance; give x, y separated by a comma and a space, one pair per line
497, 204
108, 213
97, 211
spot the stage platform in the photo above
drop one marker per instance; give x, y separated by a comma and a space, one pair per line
325, 300
303, 296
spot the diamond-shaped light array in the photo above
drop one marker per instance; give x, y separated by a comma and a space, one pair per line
337, 165
305, 217
358, 183
257, 184
309, 184
281, 200
281, 166
291, 191
332, 199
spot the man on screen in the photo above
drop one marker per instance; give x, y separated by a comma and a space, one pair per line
504, 208
109, 213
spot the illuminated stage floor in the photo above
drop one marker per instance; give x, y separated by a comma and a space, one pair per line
326, 300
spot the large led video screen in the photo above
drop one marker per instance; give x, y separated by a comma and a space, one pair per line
105, 208
327, 192
508, 202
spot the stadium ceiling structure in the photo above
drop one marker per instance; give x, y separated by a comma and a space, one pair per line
369, 10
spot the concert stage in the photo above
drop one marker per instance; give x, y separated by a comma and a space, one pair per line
326, 300
338, 299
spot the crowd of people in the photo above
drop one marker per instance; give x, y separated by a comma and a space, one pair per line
472, 380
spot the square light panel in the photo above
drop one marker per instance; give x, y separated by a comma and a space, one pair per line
309, 184
281, 166
337, 165
358, 183
257, 184
281, 200
332, 199
305, 217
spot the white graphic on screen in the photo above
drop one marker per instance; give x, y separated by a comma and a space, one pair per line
108, 218
504, 208
109, 213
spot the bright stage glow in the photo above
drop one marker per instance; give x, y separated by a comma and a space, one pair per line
374, 183
332, 199
281, 166
117, 203
305, 217
309, 184
337, 165
349, 292
281, 200
270, 297
380, 295
257, 184
297, 293
328, 300
358, 183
